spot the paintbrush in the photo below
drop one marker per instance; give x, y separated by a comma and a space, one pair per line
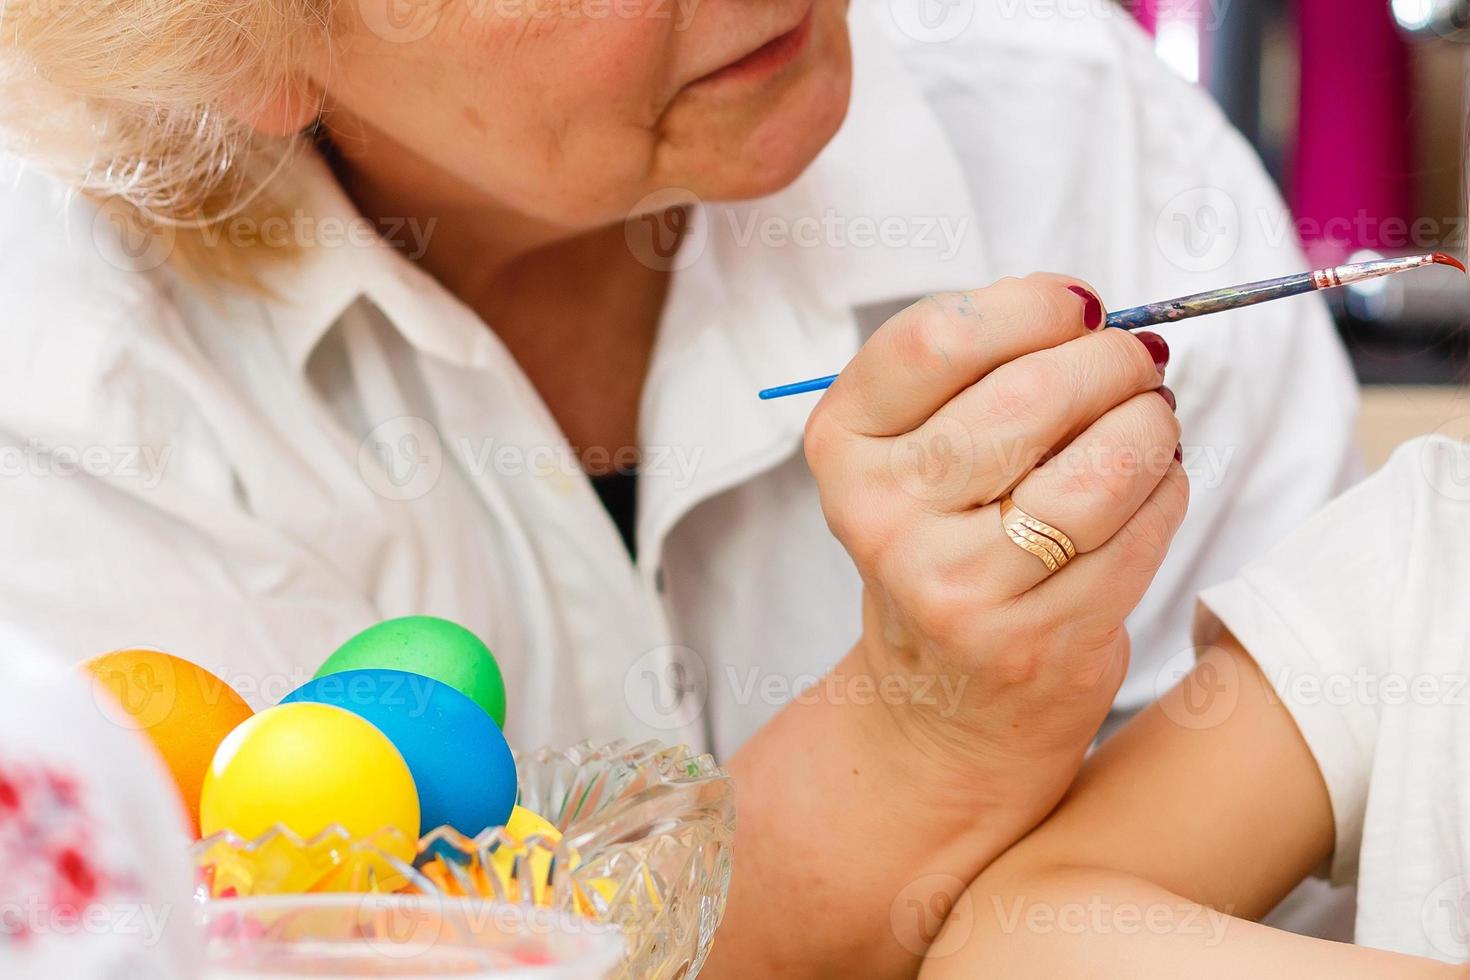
1218, 301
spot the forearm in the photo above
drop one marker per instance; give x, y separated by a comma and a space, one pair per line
1087, 923
853, 836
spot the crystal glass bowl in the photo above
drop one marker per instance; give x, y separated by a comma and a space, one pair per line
410, 937
646, 836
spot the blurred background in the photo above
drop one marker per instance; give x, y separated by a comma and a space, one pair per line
1359, 109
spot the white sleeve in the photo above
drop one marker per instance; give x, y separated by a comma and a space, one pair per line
1317, 614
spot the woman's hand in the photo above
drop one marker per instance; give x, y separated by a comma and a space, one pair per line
960, 717
955, 402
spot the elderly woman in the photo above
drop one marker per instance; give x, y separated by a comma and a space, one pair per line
460, 308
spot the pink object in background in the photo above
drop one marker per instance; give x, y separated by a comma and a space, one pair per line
1147, 12
1351, 182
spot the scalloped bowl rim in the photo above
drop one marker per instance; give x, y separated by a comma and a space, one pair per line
714, 773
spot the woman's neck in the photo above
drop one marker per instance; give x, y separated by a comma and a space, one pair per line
577, 310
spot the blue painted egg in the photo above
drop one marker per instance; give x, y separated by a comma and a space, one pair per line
461, 764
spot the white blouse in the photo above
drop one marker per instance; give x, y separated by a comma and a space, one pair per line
1359, 620
247, 480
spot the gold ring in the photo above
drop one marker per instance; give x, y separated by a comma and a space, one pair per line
1039, 538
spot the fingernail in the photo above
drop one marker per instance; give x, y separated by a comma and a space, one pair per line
1092, 311
1158, 349
1178, 454
1168, 396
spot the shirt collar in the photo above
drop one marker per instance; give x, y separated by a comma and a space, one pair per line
344, 258
883, 214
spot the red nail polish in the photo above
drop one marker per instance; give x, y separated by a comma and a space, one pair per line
1179, 454
1168, 396
1158, 349
1092, 311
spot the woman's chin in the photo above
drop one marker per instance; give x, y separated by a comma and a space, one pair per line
757, 146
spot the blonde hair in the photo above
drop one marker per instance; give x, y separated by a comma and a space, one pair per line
126, 101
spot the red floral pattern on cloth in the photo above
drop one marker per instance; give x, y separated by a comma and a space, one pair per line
47, 876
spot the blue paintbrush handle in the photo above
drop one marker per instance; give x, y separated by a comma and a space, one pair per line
1151, 315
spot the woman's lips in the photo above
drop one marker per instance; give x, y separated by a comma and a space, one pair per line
767, 59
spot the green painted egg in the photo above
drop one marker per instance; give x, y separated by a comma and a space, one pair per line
430, 646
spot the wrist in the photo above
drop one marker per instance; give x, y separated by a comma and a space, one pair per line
923, 731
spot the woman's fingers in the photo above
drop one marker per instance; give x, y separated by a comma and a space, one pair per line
933, 350
1090, 491
1094, 486
1021, 412
1110, 581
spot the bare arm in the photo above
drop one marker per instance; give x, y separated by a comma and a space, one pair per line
1197, 818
